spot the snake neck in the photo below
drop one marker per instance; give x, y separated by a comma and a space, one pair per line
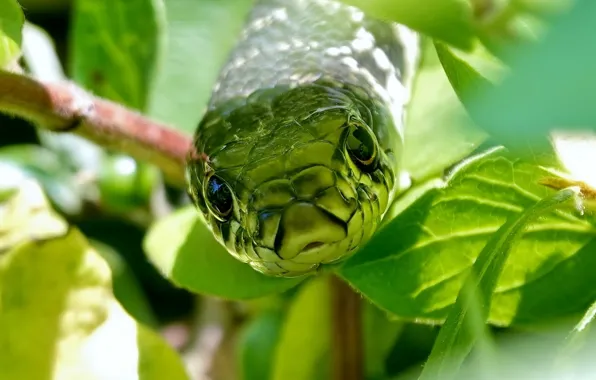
294, 42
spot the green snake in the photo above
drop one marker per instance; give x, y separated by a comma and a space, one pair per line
300, 147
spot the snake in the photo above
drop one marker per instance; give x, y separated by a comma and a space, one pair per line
299, 152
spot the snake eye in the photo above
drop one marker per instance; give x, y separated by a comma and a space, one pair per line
219, 197
362, 147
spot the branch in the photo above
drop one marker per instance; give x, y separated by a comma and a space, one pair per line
64, 107
347, 331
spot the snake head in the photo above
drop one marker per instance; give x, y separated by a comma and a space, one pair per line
296, 177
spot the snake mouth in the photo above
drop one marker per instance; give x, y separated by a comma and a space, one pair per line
305, 230
312, 246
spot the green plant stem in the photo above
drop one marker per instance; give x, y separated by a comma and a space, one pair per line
347, 331
64, 107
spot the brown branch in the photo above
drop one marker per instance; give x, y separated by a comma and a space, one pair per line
64, 107
347, 331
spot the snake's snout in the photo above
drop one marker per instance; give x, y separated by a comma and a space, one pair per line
306, 232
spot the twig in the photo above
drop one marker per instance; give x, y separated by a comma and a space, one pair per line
347, 331
64, 107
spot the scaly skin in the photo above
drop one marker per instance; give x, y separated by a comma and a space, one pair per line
302, 140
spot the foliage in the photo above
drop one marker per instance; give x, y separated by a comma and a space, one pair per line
477, 241
57, 289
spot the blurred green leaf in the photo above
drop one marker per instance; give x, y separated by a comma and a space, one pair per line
415, 265
550, 85
469, 72
201, 34
34, 161
465, 323
116, 48
447, 20
533, 355
544, 6
59, 318
26, 216
438, 131
257, 345
11, 177
11, 25
185, 251
124, 184
379, 335
513, 29
40, 54
305, 342
580, 340
126, 287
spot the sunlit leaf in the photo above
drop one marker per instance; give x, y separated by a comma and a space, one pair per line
465, 322
58, 316
26, 216
415, 265
185, 252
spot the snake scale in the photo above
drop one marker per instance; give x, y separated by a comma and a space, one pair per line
300, 147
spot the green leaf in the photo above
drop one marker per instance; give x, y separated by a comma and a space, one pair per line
185, 251
125, 185
578, 343
438, 131
447, 20
469, 72
379, 335
200, 37
257, 345
26, 216
116, 47
549, 85
305, 342
58, 317
39, 52
415, 266
126, 287
544, 6
33, 161
465, 323
11, 25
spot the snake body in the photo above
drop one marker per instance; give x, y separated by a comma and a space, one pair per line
299, 150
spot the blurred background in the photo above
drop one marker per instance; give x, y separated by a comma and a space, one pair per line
114, 199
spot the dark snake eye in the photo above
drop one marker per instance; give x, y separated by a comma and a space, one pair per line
362, 147
219, 197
